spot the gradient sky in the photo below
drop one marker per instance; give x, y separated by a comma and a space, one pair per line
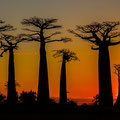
82, 77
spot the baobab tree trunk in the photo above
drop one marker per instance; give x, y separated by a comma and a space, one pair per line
43, 88
105, 88
63, 91
12, 95
117, 103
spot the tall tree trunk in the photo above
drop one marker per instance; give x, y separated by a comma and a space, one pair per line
12, 95
63, 91
117, 103
43, 88
105, 88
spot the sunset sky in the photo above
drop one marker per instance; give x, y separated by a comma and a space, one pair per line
82, 76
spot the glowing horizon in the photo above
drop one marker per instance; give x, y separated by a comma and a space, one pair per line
69, 15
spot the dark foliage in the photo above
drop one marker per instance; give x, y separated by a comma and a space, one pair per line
96, 100
71, 103
28, 97
2, 98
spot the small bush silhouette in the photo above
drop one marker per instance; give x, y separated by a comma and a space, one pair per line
96, 100
28, 97
2, 98
72, 103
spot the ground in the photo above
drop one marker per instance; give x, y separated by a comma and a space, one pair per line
54, 112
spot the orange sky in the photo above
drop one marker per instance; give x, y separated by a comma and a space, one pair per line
82, 76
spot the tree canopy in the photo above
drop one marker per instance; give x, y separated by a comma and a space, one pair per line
38, 28
98, 33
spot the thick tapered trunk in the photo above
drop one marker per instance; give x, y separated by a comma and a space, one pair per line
11, 95
63, 91
105, 88
117, 103
43, 88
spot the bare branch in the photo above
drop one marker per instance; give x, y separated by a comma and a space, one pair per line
108, 27
40, 25
96, 38
35, 22
114, 43
3, 45
29, 37
6, 28
62, 39
94, 27
48, 37
1, 54
117, 70
18, 40
7, 38
36, 31
100, 32
89, 38
93, 48
10, 41
49, 24
114, 35
53, 27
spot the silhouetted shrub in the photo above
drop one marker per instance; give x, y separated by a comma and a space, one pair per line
28, 97
2, 98
96, 100
84, 105
71, 103
52, 102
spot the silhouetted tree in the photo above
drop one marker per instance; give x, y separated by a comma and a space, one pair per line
9, 43
28, 97
117, 71
101, 35
67, 56
3, 28
38, 29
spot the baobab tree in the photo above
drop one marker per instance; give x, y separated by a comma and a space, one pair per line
102, 35
39, 27
67, 56
9, 43
117, 72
